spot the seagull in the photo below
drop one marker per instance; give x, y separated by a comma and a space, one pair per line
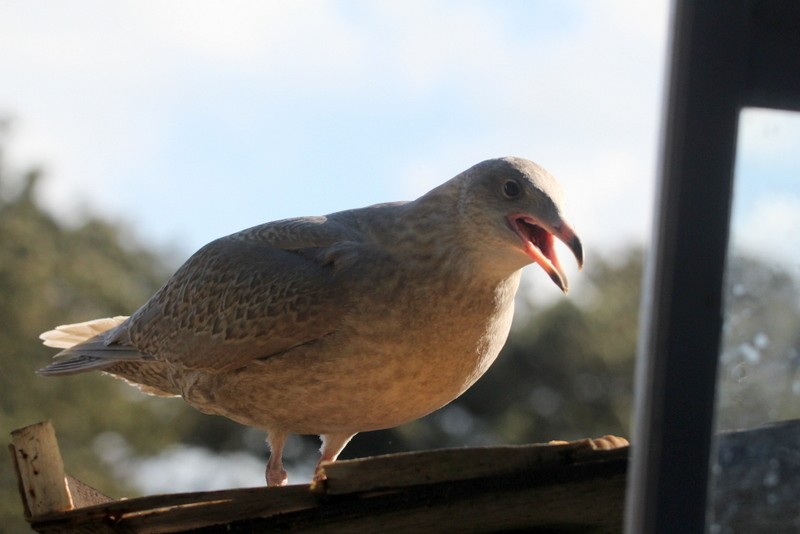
358, 320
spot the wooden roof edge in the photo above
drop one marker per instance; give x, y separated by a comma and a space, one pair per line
71, 503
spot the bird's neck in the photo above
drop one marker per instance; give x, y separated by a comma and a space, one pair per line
436, 238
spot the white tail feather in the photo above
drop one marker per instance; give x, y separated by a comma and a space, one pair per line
69, 335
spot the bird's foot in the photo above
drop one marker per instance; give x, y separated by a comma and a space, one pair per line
332, 445
319, 475
277, 476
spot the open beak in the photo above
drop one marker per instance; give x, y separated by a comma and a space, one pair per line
539, 243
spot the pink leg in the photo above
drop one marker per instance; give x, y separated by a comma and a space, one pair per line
276, 474
332, 445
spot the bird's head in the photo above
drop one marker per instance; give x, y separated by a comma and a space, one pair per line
518, 207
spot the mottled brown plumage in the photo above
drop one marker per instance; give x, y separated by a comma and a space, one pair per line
358, 320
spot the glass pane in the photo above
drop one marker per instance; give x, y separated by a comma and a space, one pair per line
755, 483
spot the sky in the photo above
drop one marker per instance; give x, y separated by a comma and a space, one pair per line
186, 121
766, 203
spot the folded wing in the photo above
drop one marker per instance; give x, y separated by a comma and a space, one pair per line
247, 296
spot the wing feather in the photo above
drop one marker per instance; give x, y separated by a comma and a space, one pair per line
249, 296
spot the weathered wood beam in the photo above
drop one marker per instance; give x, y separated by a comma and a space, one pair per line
451, 465
40, 470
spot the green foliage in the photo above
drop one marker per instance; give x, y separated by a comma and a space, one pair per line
52, 275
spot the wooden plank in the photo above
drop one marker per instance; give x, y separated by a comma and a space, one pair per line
410, 490
181, 511
84, 495
431, 467
560, 487
511, 494
257, 503
585, 497
40, 470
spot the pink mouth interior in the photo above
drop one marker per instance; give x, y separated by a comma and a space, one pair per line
539, 245
539, 242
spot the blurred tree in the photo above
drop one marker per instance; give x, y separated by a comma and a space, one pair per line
53, 275
760, 360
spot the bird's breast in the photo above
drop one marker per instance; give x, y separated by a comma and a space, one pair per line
391, 360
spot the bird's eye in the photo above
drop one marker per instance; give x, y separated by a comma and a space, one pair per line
511, 189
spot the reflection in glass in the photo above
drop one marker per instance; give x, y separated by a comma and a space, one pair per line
755, 483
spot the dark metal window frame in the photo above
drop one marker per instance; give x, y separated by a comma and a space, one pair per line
725, 55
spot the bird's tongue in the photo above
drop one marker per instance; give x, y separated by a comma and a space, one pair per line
540, 246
